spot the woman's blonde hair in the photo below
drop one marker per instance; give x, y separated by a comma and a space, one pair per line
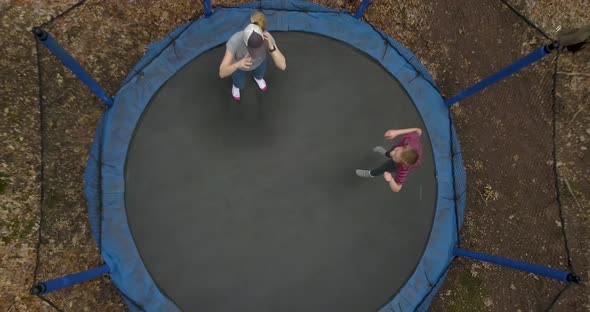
259, 19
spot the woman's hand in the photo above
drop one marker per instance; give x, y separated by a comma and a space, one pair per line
277, 56
268, 37
228, 66
245, 62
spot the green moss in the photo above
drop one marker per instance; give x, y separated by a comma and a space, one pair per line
469, 295
4, 180
19, 229
52, 199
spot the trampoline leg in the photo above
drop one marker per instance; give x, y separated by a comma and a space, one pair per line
504, 72
207, 7
49, 42
361, 10
68, 280
519, 265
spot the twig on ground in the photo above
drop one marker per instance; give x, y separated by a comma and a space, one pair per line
481, 195
569, 188
573, 74
575, 115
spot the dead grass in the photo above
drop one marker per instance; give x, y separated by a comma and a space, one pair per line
505, 134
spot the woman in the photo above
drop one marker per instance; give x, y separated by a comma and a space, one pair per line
246, 52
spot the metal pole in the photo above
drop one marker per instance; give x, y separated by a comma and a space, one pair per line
207, 7
361, 9
503, 73
519, 265
51, 44
68, 280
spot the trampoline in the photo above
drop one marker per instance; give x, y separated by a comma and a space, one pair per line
200, 203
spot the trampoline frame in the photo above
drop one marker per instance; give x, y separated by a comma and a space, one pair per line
105, 173
193, 39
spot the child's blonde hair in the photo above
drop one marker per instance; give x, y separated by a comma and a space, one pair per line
259, 19
409, 156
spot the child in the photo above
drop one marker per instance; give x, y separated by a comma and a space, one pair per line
405, 155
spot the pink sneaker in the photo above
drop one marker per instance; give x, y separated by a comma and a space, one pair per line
235, 92
261, 84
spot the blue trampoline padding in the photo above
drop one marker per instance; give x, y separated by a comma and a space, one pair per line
425, 304
105, 173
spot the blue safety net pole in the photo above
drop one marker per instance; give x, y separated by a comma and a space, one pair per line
68, 280
51, 44
207, 7
361, 9
504, 72
519, 265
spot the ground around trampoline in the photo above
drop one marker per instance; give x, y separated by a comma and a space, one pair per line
511, 209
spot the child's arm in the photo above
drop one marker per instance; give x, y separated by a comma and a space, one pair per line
390, 134
392, 185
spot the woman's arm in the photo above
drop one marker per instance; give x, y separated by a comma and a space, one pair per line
277, 57
390, 134
227, 67
392, 184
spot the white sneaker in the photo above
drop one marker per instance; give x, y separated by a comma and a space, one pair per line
235, 92
380, 150
261, 84
364, 173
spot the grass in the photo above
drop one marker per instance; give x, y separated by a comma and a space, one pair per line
4, 181
469, 294
19, 228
